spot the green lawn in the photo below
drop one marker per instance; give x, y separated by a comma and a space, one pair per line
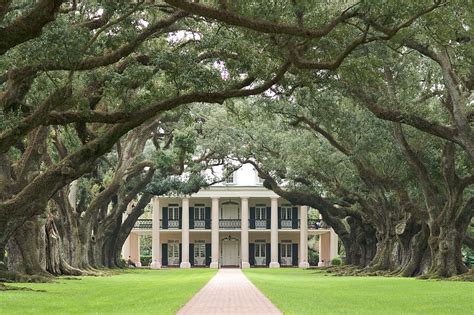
296, 291
133, 292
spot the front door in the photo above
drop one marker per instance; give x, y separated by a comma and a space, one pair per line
260, 254
199, 254
286, 254
230, 253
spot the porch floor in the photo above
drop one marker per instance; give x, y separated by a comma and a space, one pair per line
229, 292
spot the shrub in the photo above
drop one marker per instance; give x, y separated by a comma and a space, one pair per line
313, 257
336, 261
145, 260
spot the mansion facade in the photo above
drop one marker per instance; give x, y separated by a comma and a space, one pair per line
236, 224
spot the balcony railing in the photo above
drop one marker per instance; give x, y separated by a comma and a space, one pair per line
144, 224
259, 223
202, 224
229, 223
286, 224
173, 224
313, 224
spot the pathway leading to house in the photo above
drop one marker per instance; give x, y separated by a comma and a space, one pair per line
229, 292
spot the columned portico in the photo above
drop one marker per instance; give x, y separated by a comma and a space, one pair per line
155, 244
244, 240
304, 238
215, 233
185, 235
274, 234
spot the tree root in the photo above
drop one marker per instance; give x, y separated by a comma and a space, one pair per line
467, 276
8, 276
11, 288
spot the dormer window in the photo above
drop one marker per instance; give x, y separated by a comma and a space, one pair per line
230, 179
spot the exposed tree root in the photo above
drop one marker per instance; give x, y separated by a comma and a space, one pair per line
468, 276
356, 271
8, 276
11, 288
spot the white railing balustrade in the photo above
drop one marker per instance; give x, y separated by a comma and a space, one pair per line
229, 223
173, 224
199, 224
260, 224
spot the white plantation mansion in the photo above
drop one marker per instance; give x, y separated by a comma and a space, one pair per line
234, 224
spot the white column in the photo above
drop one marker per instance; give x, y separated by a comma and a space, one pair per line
274, 234
244, 239
185, 235
155, 239
304, 237
324, 249
126, 245
135, 248
215, 233
333, 252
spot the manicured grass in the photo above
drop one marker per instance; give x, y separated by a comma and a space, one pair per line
296, 291
131, 292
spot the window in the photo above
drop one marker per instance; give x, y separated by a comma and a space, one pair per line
286, 213
199, 212
260, 212
229, 179
173, 212
259, 250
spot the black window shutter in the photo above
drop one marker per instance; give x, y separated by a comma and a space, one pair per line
207, 216
180, 253
279, 253
294, 218
279, 217
268, 253
164, 254
208, 254
269, 217
252, 217
165, 218
180, 219
191, 254
252, 254
294, 253
191, 217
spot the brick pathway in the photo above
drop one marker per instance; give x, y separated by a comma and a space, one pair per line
229, 292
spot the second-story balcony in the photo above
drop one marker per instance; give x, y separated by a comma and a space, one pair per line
229, 223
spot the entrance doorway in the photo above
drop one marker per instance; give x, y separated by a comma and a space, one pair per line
230, 253
173, 253
286, 254
260, 254
200, 254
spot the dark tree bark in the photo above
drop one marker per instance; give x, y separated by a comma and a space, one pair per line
26, 249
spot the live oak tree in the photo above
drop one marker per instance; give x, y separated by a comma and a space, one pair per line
102, 84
